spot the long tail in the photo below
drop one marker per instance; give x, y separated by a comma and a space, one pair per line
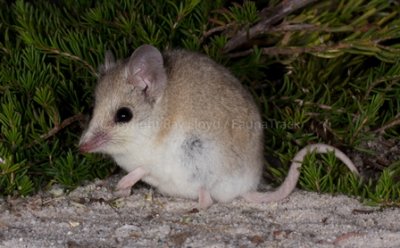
294, 172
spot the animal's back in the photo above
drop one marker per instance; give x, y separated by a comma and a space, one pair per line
211, 105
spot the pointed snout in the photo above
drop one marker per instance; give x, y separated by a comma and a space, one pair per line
92, 142
85, 148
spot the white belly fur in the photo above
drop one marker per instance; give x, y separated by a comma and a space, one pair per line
172, 175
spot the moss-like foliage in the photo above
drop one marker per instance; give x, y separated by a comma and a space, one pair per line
324, 72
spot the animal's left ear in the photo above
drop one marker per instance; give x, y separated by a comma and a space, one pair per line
145, 70
109, 62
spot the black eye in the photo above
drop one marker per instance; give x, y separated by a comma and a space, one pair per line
123, 115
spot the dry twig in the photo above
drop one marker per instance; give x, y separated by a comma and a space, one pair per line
273, 51
275, 15
62, 125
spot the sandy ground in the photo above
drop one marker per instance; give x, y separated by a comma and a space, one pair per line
91, 216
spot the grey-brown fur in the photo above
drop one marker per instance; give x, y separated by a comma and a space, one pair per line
193, 130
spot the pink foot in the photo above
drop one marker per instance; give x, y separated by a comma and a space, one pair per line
205, 200
124, 185
122, 192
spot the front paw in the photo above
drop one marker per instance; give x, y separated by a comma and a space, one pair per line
122, 192
123, 188
125, 183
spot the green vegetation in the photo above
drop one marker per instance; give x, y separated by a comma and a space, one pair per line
324, 72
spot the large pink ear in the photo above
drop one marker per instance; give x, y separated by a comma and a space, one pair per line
145, 70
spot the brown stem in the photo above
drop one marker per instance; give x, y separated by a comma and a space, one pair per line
388, 125
62, 125
210, 32
358, 130
276, 14
291, 50
73, 57
5, 50
394, 79
305, 27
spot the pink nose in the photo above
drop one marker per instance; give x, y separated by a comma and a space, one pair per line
85, 147
95, 142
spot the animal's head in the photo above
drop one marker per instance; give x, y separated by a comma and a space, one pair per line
125, 97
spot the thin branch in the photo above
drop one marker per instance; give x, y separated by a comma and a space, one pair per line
388, 125
240, 54
292, 50
319, 105
278, 13
297, 50
5, 50
301, 102
374, 84
73, 57
358, 130
294, 27
221, 28
64, 124
305, 27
